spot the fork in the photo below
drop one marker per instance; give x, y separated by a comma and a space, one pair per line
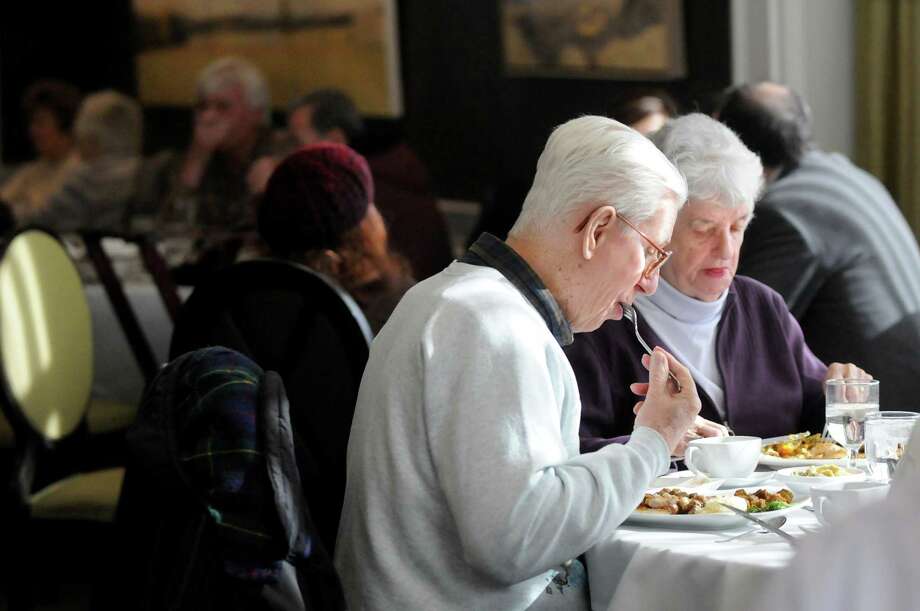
629, 313
777, 522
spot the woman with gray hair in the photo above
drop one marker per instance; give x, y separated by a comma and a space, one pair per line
108, 132
753, 371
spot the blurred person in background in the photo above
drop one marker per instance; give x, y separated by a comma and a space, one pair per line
98, 193
645, 112
404, 197
318, 210
50, 108
829, 238
218, 178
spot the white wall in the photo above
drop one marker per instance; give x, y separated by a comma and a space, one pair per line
807, 45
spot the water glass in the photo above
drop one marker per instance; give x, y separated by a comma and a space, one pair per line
848, 404
887, 434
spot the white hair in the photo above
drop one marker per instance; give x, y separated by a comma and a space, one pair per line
717, 165
110, 123
228, 71
598, 160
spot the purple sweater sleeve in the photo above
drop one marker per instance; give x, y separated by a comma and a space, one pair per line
811, 371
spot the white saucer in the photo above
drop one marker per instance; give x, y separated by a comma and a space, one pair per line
754, 479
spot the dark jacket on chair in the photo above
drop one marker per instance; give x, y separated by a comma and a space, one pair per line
212, 514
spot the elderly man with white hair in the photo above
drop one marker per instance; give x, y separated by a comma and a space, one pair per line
229, 159
465, 487
745, 351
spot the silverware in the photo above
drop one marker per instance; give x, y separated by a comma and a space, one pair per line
762, 523
777, 522
629, 313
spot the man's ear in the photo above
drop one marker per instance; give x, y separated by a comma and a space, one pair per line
597, 230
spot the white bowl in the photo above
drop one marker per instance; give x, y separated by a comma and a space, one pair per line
801, 484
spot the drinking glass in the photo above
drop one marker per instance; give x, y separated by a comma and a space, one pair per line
848, 404
887, 434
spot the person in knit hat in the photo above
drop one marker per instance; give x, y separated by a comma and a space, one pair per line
318, 209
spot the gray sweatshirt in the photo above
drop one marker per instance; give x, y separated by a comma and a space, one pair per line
466, 489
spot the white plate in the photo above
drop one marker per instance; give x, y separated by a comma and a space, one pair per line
801, 485
755, 479
777, 462
687, 480
706, 521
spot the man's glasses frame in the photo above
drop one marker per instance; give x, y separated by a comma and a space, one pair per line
653, 263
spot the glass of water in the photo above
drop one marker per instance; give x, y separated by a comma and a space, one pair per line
848, 404
887, 434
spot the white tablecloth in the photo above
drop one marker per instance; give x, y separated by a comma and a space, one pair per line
647, 569
116, 375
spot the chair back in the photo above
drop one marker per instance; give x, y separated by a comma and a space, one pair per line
291, 320
46, 358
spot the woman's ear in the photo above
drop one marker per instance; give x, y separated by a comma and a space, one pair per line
597, 230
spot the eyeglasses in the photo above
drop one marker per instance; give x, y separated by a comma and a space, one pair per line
654, 261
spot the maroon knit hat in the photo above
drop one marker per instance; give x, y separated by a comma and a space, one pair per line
313, 198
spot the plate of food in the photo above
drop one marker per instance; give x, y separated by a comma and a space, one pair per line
801, 450
678, 508
801, 479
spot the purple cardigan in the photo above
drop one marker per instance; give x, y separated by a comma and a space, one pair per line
773, 383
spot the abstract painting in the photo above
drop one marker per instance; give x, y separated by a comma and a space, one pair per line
300, 45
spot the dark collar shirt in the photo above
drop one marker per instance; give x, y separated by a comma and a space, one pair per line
773, 383
489, 251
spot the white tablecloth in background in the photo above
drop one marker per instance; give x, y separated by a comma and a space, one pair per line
648, 569
116, 375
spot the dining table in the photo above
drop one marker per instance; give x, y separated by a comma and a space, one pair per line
645, 568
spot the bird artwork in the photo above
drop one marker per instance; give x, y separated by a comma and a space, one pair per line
581, 33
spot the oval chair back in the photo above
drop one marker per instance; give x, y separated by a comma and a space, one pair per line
46, 352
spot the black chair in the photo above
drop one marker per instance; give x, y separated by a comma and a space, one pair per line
291, 320
212, 515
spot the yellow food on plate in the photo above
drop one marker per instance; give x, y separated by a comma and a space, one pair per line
822, 471
805, 445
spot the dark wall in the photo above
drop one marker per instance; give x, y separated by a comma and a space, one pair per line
475, 127
478, 128
60, 40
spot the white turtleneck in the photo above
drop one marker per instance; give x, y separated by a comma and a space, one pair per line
688, 326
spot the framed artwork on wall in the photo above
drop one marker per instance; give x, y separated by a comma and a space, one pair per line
300, 45
609, 39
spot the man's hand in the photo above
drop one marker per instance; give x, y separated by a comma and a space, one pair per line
668, 412
259, 173
210, 133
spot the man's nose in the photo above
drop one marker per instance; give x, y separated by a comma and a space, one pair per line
648, 285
